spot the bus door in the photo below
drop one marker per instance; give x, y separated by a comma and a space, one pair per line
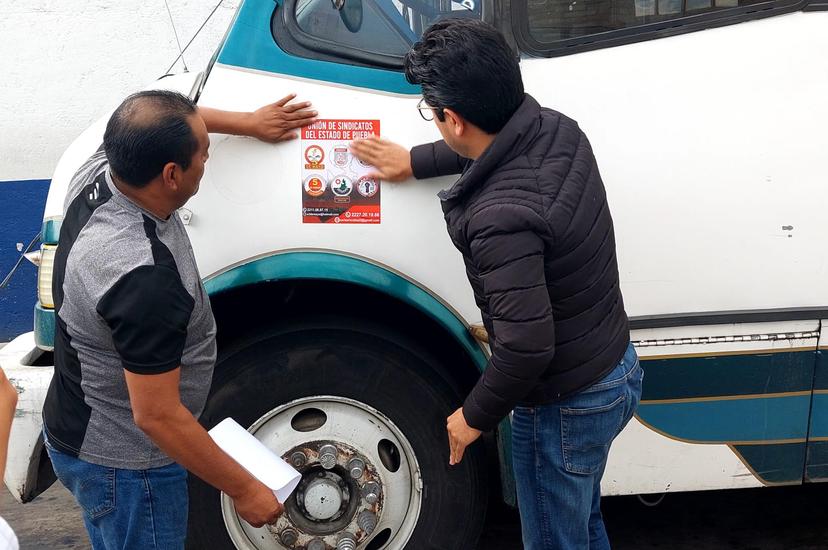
816, 464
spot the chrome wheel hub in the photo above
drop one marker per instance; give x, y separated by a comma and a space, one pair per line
322, 499
360, 482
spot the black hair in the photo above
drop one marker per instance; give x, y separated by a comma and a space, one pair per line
147, 131
467, 66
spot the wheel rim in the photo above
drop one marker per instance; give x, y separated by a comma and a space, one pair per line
361, 483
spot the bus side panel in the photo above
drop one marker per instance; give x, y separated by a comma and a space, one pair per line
724, 406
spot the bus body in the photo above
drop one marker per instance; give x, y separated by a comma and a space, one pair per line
346, 342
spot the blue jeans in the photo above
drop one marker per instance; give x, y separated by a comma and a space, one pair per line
127, 509
559, 453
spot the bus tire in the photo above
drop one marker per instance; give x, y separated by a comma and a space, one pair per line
356, 362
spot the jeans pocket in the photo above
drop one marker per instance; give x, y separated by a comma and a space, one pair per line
96, 493
586, 435
93, 486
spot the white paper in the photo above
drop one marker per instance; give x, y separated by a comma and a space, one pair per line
257, 459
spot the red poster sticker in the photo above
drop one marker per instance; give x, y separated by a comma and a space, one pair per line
335, 184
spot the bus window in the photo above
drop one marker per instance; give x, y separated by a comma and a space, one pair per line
369, 28
367, 32
552, 20
555, 27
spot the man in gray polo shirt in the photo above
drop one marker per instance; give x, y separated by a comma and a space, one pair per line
135, 336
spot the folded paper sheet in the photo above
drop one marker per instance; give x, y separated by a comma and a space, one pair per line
257, 459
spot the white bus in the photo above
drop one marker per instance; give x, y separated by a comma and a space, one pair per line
345, 317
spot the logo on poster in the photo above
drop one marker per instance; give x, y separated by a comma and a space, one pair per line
314, 155
341, 156
342, 186
315, 186
367, 187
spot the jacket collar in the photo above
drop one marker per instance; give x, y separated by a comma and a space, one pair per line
509, 143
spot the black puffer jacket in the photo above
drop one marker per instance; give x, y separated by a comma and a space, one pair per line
530, 217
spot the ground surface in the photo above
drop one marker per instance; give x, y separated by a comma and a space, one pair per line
755, 519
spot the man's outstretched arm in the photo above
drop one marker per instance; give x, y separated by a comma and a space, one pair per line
272, 123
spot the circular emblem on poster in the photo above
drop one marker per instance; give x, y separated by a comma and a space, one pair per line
341, 155
314, 155
367, 187
342, 186
315, 186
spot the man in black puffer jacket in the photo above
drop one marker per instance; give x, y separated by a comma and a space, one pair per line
530, 216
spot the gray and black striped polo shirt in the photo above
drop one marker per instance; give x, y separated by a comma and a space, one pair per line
128, 296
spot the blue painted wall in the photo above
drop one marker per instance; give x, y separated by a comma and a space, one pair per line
21, 215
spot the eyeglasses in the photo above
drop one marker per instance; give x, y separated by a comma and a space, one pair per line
426, 110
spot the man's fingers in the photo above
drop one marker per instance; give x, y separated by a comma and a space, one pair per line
367, 156
367, 151
297, 114
282, 102
458, 454
274, 519
457, 450
293, 107
299, 122
287, 137
372, 143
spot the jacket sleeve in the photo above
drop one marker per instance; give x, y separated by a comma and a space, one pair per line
435, 159
507, 248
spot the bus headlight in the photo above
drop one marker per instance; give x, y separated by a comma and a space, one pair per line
44, 275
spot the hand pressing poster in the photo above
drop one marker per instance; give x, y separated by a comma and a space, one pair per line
335, 184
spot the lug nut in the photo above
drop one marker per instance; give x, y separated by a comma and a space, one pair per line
347, 542
356, 467
298, 459
371, 492
289, 537
367, 521
317, 544
327, 457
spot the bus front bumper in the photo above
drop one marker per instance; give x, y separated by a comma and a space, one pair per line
28, 470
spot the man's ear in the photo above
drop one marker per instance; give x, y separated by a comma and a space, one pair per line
456, 123
170, 174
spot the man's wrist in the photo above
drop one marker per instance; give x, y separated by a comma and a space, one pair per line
228, 122
246, 124
244, 486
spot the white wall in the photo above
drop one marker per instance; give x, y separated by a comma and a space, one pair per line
63, 63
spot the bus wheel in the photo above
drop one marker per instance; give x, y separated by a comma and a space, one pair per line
361, 414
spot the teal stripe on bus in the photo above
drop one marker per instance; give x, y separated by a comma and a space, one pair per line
729, 421
724, 375
779, 464
819, 416
821, 374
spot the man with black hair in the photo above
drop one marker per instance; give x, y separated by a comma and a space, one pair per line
135, 337
530, 216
